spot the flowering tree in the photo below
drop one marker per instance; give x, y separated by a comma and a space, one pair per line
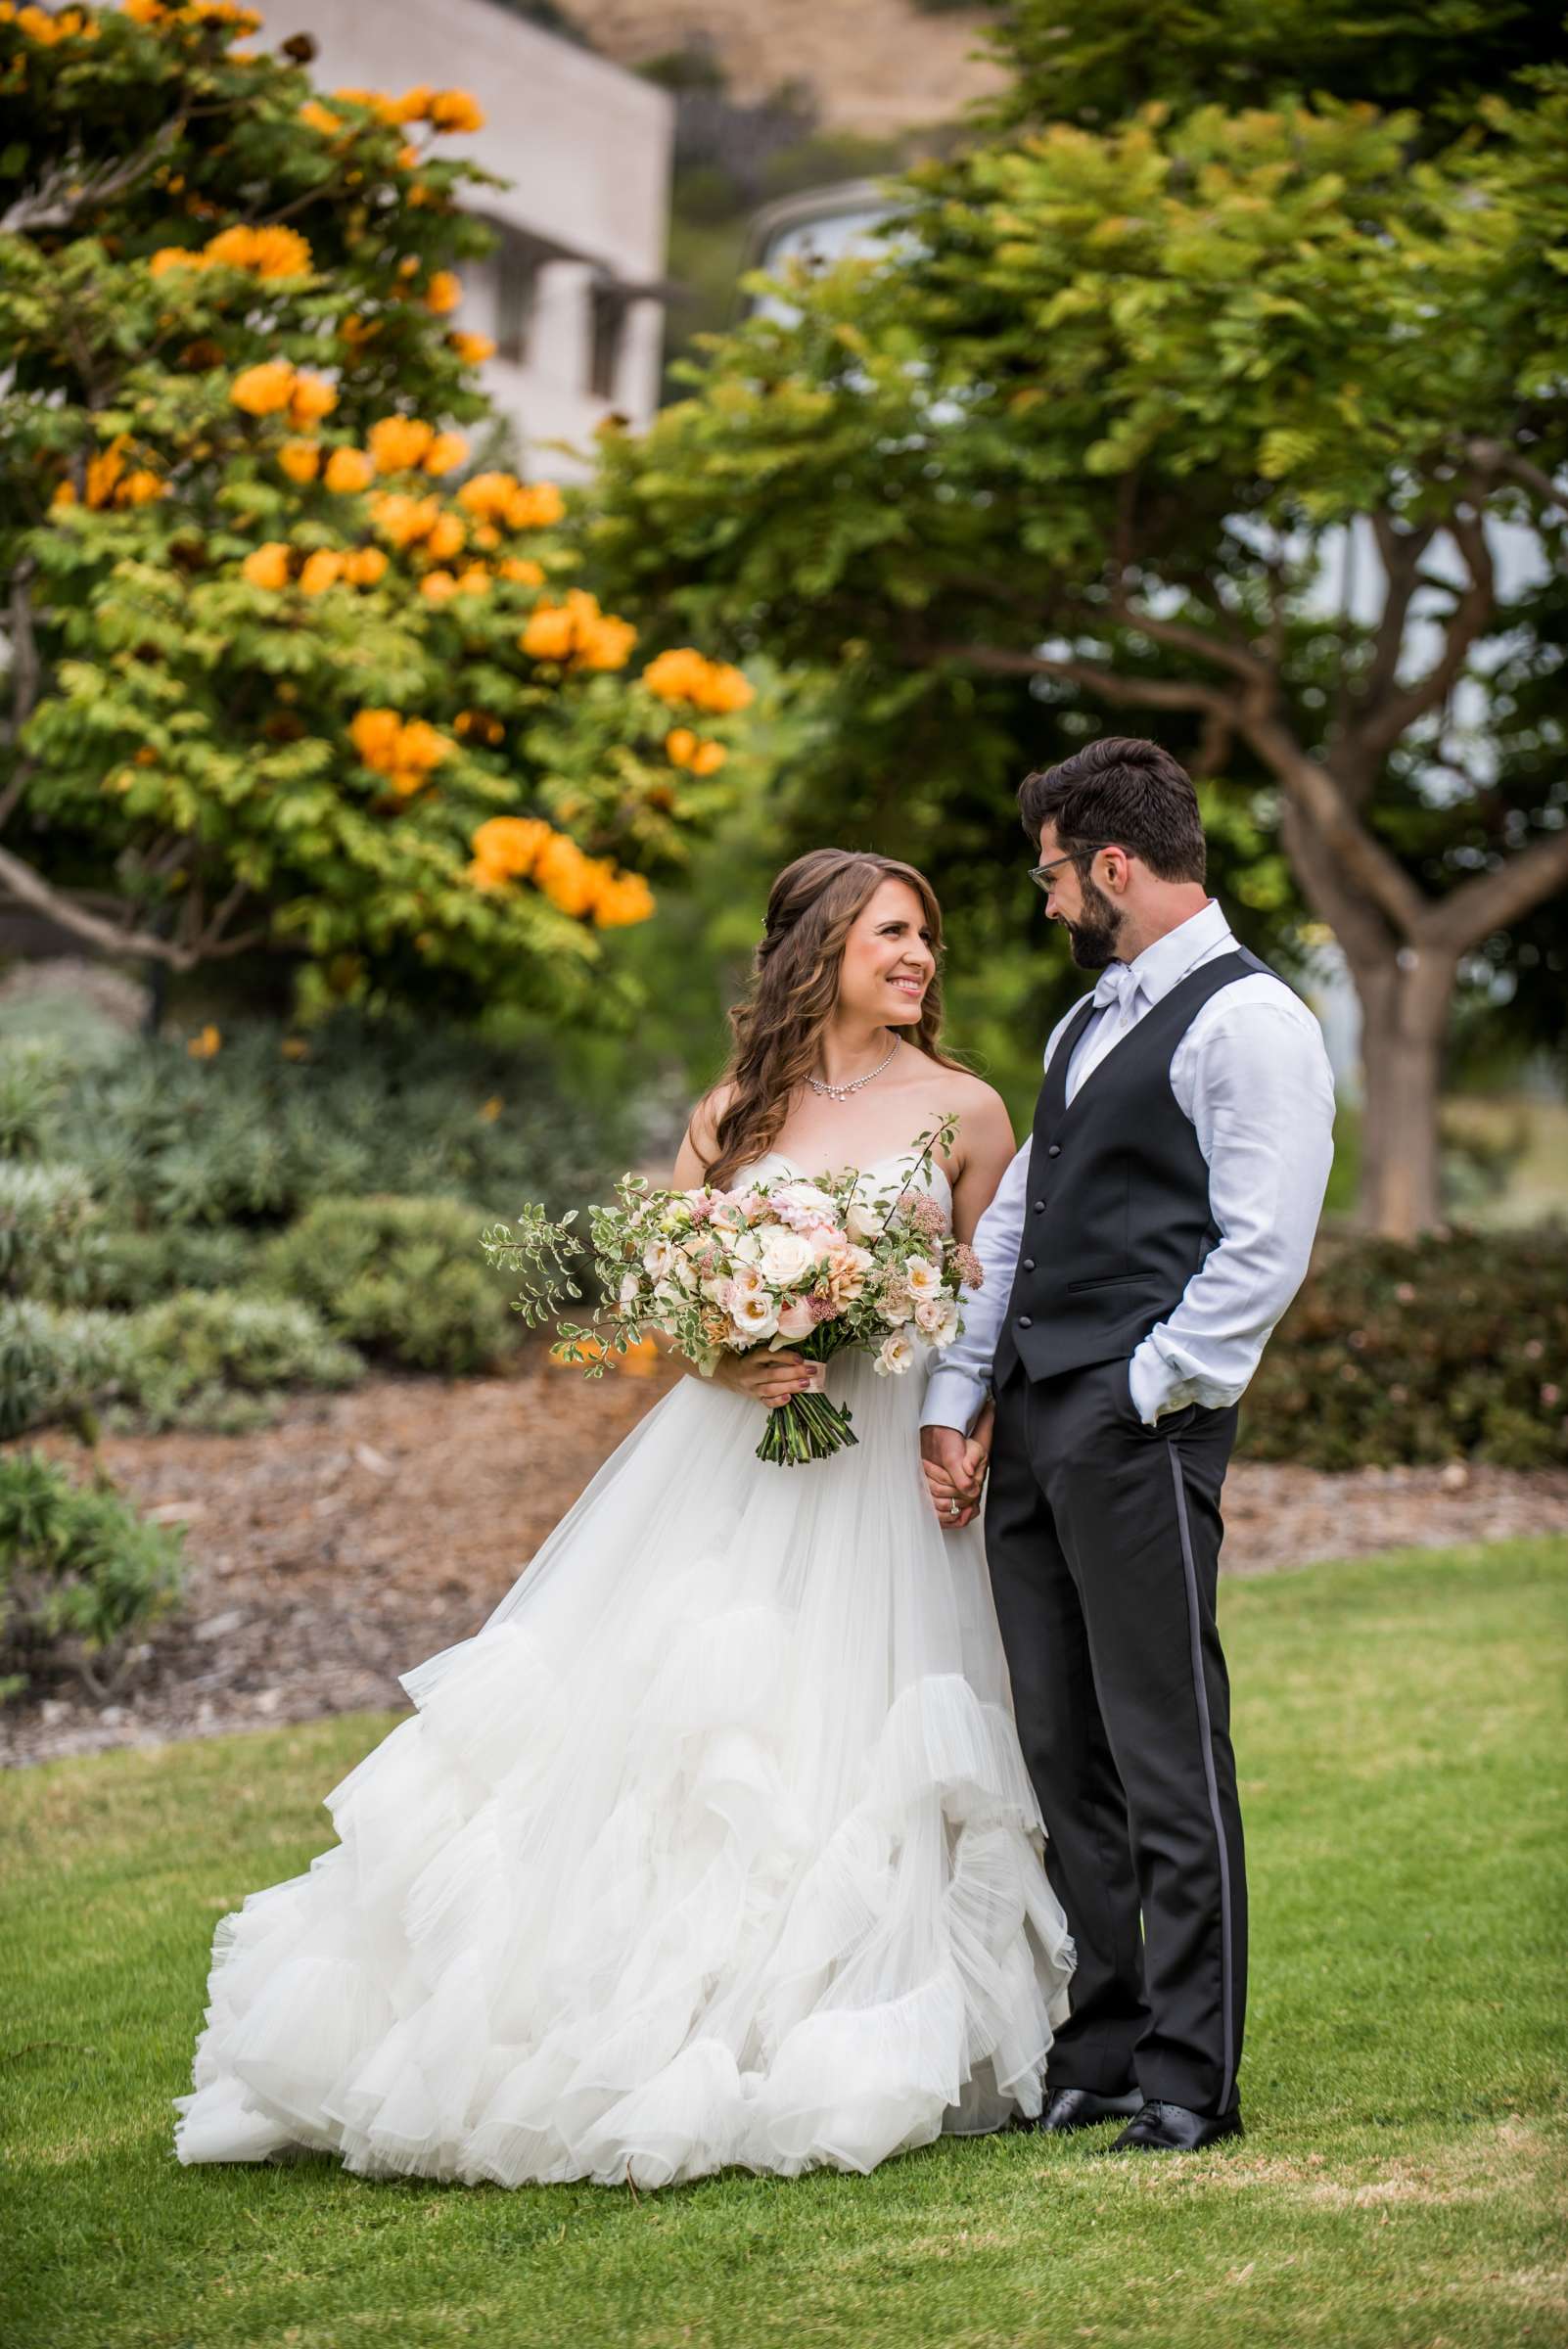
285, 672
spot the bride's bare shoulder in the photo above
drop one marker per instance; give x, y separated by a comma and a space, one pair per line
967, 1094
984, 1123
700, 1144
702, 1125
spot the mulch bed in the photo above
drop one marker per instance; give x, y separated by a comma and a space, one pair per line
363, 1532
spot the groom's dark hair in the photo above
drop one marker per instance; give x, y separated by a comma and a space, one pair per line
1123, 791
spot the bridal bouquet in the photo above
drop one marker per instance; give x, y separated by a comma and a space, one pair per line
813, 1265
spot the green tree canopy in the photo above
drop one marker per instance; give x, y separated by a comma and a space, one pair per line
1077, 62
288, 672
1093, 426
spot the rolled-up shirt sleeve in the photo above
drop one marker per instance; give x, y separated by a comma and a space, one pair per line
961, 1380
1256, 1081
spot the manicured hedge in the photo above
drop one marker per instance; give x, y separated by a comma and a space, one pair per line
1453, 1348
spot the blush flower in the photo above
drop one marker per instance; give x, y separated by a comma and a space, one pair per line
922, 1278
787, 1256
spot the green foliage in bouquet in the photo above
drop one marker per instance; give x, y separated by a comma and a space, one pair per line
1456, 1348
400, 1278
296, 670
80, 1574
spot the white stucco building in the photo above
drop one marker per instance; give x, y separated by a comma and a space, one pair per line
573, 294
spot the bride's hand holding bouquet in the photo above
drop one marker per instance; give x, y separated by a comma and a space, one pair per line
760, 1285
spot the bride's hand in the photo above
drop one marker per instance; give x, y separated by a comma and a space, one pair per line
956, 1468
769, 1378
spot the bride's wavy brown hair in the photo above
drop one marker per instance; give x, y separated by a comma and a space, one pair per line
778, 1023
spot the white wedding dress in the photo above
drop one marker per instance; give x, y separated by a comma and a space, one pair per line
713, 1846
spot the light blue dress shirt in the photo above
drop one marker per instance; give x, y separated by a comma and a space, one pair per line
1252, 1074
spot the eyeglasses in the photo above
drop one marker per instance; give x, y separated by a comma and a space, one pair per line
1041, 874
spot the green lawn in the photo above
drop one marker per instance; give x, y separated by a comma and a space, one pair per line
1400, 1732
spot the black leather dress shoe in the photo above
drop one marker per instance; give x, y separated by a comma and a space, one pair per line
1172, 2129
1070, 2108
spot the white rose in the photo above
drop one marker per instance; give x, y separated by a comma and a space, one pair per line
867, 1212
746, 1248
894, 1357
922, 1278
928, 1314
630, 1287
786, 1256
749, 1306
803, 1202
947, 1328
657, 1259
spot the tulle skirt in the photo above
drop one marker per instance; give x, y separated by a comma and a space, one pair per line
715, 1846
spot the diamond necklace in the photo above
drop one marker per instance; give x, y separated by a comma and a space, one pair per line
842, 1092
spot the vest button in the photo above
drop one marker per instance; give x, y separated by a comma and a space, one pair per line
1040, 1207
1025, 1322
1029, 1263
1055, 1150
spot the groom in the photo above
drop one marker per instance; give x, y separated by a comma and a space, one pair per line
1138, 1253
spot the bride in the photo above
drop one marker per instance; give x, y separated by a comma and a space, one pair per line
714, 1845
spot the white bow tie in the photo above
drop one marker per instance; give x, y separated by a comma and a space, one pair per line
1117, 984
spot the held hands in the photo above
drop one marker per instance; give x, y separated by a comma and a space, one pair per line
956, 1468
771, 1378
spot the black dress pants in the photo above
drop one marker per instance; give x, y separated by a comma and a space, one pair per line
1103, 1538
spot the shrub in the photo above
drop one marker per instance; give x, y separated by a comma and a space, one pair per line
402, 1279
133, 1269
80, 1573
206, 1360
1455, 1347
46, 1214
272, 1122
56, 1364
31, 1087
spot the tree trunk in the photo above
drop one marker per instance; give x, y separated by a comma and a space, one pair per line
1404, 1004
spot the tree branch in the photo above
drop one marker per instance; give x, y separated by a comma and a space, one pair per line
1382, 722
1491, 901
1362, 928
10, 799
73, 186
1185, 638
1401, 552
31, 888
208, 943
1324, 806
1493, 457
1140, 693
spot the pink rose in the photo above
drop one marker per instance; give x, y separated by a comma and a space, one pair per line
795, 1319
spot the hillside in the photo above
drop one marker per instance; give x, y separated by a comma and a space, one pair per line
876, 67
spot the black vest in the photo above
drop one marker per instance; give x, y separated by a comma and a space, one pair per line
1116, 1215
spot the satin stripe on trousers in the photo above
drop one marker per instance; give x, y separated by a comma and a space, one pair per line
1103, 1537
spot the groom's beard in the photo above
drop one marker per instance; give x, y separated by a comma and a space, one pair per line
1094, 935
